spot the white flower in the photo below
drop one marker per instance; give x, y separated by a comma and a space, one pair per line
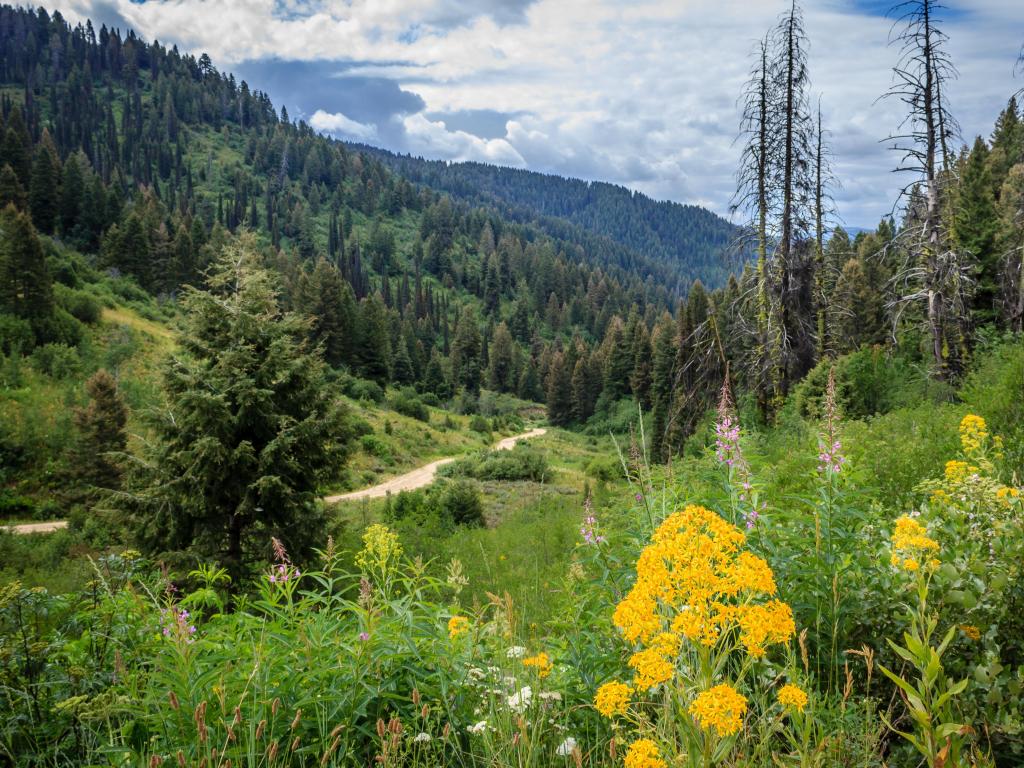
478, 728
516, 652
550, 696
566, 747
422, 737
520, 701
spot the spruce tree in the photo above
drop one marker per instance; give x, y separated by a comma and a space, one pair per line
559, 392
44, 187
96, 462
11, 190
501, 361
975, 226
249, 431
26, 287
466, 352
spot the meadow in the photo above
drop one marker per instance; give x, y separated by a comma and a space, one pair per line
831, 591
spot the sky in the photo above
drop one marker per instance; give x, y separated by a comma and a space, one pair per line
643, 94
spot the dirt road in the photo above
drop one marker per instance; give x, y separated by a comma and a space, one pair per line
52, 525
423, 475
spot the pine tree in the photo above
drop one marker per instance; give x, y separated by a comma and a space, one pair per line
501, 363
662, 384
249, 432
95, 462
26, 287
559, 392
640, 376
373, 349
465, 356
975, 226
434, 378
72, 191
11, 191
44, 187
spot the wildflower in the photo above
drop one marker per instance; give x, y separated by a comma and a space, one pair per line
177, 625
612, 699
973, 433
520, 701
792, 696
457, 625
549, 696
589, 529
721, 708
971, 632
643, 753
541, 662
381, 550
830, 453
727, 432
654, 665
566, 747
364, 636
1007, 495
910, 537
479, 727
515, 652
421, 738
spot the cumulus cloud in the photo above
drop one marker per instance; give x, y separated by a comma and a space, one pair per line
340, 125
641, 93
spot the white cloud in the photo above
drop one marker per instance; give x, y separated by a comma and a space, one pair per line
340, 125
642, 93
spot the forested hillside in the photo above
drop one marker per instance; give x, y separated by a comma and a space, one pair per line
693, 242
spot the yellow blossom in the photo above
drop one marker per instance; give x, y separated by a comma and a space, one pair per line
792, 696
767, 624
721, 708
541, 662
910, 564
970, 631
973, 433
612, 699
643, 753
457, 625
381, 550
654, 665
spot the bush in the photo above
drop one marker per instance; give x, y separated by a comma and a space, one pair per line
374, 446
460, 502
408, 403
16, 335
79, 304
362, 389
57, 361
605, 468
521, 463
59, 328
15, 506
480, 424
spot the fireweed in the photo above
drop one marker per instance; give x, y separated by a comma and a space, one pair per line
701, 610
743, 495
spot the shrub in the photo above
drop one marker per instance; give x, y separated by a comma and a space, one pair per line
408, 403
374, 446
15, 335
362, 389
13, 505
79, 304
480, 424
459, 501
58, 361
521, 463
605, 468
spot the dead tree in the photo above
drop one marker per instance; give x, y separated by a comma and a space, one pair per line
934, 273
824, 208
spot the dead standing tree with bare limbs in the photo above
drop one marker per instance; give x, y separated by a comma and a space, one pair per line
933, 273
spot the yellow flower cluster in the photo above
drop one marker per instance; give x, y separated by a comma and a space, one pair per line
612, 699
721, 708
643, 753
655, 663
971, 632
381, 550
541, 662
973, 433
792, 696
457, 625
694, 581
1007, 495
958, 471
910, 542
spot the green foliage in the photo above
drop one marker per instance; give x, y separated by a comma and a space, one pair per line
521, 463
249, 433
408, 403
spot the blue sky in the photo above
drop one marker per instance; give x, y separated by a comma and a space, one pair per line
637, 93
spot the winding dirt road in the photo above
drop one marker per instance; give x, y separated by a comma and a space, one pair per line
408, 482
52, 525
422, 475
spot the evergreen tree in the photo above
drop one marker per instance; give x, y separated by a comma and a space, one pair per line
466, 353
640, 377
72, 190
11, 191
662, 384
434, 379
96, 463
373, 351
26, 287
975, 226
44, 187
559, 392
249, 432
501, 361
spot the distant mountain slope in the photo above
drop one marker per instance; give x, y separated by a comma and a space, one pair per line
688, 238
